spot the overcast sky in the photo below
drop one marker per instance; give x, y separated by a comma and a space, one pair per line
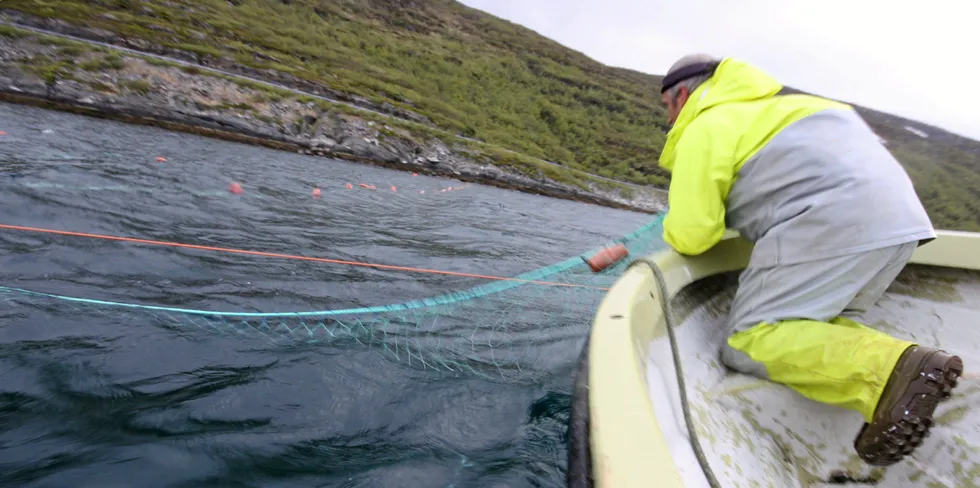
906, 57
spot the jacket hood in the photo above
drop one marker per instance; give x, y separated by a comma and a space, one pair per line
734, 81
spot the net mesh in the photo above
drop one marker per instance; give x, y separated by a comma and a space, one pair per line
503, 329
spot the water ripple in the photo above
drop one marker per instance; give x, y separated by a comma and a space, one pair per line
92, 398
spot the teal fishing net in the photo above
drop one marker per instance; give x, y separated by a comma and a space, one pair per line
493, 330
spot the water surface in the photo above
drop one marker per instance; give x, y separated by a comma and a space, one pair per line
112, 400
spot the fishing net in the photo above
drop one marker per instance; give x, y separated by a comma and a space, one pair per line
501, 329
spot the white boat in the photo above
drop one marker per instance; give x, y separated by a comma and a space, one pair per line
628, 426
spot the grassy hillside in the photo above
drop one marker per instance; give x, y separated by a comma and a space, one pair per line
466, 71
475, 75
944, 167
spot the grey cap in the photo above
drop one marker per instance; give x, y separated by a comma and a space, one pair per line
697, 58
688, 66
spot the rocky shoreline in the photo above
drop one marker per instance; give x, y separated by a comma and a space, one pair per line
71, 76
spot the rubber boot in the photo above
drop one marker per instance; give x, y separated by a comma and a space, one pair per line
922, 378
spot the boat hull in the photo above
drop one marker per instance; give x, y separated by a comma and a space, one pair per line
635, 428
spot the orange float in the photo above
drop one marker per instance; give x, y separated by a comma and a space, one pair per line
607, 257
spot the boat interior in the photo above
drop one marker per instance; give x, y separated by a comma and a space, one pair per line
757, 433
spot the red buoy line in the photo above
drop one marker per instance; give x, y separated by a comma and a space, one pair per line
288, 256
598, 263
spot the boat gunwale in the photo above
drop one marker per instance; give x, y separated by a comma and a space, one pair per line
628, 447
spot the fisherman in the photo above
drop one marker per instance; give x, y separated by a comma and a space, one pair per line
833, 217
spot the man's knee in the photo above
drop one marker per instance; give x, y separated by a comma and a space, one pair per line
740, 361
891, 262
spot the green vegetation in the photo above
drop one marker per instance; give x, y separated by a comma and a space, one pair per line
160, 62
191, 70
72, 51
472, 75
49, 70
946, 177
138, 86
13, 32
58, 41
101, 86
112, 61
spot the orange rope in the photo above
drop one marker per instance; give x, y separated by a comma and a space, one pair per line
288, 256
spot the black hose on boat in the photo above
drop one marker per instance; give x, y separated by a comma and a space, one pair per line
682, 386
579, 474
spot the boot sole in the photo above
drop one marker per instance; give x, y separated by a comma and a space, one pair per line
906, 434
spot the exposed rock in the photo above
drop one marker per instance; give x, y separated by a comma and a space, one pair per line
177, 99
137, 44
323, 142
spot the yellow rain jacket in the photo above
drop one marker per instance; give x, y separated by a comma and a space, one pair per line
802, 177
805, 179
